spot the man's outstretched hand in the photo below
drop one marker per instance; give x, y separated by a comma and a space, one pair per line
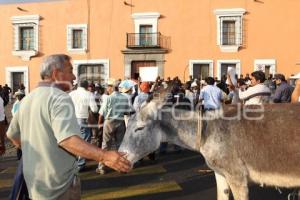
116, 160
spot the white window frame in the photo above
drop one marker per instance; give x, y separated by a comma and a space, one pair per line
70, 28
237, 66
19, 22
147, 18
104, 62
259, 64
209, 62
10, 70
236, 15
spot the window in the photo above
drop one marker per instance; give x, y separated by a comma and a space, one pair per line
230, 29
26, 34
146, 35
77, 38
96, 71
228, 33
26, 38
144, 24
201, 69
93, 73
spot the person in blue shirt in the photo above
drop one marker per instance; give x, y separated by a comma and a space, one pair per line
211, 95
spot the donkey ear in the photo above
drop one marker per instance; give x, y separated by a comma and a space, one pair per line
163, 93
149, 111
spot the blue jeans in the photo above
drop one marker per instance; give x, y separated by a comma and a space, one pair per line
85, 133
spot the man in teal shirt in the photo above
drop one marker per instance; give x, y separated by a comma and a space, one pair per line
112, 113
47, 130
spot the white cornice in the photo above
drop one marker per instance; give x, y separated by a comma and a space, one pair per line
146, 15
265, 61
26, 19
229, 48
25, 55
73, 26
230, 12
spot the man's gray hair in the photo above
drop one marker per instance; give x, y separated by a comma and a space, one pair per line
52, 62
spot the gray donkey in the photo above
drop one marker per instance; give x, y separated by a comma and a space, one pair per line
241, 144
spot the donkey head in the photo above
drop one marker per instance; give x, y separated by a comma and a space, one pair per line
144, 133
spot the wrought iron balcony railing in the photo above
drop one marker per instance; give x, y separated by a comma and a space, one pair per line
146, 40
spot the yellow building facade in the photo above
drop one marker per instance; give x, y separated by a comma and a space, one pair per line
115, 38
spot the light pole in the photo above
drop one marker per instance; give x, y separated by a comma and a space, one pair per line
184, 72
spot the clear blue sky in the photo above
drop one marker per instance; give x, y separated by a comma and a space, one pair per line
21, 1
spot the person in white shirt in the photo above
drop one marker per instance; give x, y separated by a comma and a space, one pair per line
189, 94
83, 100
2, 127
211, 95
258, 93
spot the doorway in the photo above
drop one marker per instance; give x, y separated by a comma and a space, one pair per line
267, 71
17, 80
225, 66
200, 71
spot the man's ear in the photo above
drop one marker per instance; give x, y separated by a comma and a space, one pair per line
54, 75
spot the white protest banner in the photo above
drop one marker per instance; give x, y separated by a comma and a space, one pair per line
148, 73
231, 72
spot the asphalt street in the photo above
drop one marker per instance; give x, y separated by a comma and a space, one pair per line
174, 175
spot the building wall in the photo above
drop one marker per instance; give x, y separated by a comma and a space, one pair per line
271, 31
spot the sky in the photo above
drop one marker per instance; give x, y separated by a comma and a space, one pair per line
21, 1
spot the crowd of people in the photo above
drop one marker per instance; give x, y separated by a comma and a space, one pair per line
102, 113
58, 126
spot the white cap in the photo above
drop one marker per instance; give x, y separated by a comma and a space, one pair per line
194, 84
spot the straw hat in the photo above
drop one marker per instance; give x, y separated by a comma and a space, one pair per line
111, 81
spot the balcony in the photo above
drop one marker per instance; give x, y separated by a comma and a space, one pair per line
147, 40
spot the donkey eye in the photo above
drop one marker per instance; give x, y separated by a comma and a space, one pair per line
139, 129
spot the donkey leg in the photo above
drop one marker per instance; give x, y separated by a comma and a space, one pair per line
223, 189
239, 189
